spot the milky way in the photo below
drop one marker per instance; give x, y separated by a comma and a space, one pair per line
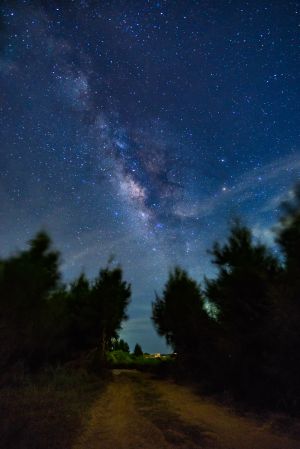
138, 129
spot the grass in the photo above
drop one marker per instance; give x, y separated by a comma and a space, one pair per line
121, 359
48, 411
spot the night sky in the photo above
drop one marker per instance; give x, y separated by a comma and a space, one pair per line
140, 128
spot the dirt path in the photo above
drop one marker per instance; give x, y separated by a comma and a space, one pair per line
137, 412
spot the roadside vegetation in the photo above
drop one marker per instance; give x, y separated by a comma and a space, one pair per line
143, 362
239, 333
54, 338
47, 410
236, 335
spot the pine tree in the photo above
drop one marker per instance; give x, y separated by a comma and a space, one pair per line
138, 350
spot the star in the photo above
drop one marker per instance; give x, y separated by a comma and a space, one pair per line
141, 131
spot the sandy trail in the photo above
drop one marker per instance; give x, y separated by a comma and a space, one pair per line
138, 412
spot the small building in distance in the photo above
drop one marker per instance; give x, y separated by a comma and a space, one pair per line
158, 355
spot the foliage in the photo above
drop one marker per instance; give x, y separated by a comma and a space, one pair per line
138, 350
240, 292
121, 359
43, 321
284, 363
109, 299
181, 317
96, 310
250, 345
27, 280
119, 345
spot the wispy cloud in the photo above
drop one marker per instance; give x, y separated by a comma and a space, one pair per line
243, 188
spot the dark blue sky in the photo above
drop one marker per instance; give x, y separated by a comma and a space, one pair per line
140, 128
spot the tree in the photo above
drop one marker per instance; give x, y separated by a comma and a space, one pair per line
27, 280
180, 316
119, 345
96, 310
110, 297
81, 314
241, 293
41, 320
138, 350
284, 363
288, 238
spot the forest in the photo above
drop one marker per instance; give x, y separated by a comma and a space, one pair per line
237, 332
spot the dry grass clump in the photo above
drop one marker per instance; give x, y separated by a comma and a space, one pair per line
48, 411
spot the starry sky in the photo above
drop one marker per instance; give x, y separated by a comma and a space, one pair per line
138, 129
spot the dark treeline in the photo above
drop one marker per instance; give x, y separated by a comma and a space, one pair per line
119, 345
240, 332
43, 321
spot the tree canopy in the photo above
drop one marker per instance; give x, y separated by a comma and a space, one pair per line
138, 352
42, 319
119, 345
250, 345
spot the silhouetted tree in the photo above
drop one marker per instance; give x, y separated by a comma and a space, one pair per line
110, 297
41, 320
96, 310
26, 282
119, 345
59, 345
284, 363
241, 293
288, 238
138, 350
180, 316
81, 315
